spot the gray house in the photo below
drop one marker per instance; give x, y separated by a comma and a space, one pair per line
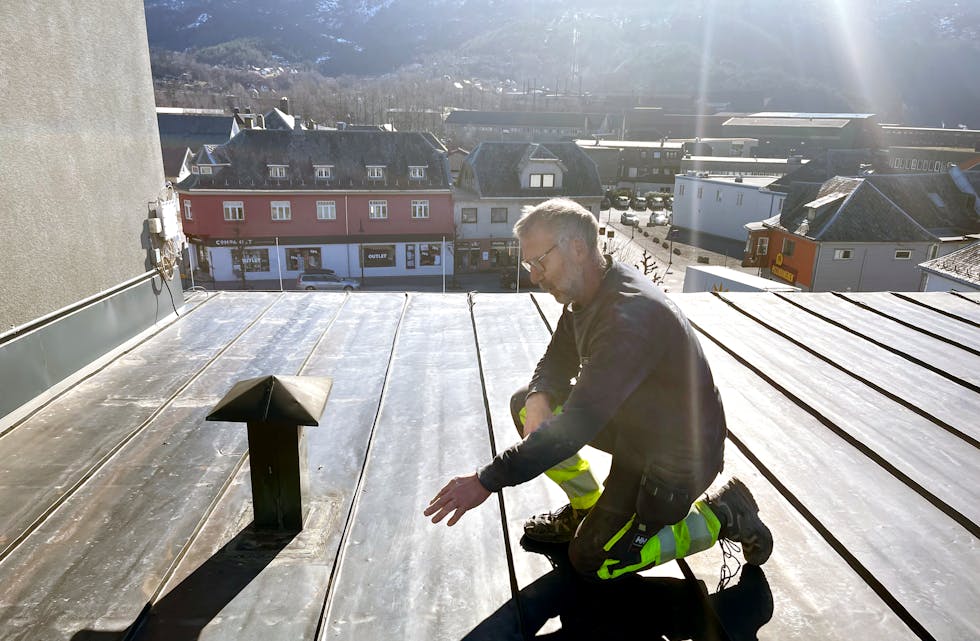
498, 179
866, 234
957, 272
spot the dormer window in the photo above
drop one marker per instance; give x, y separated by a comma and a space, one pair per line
324, 171
277, 171
416, 172
376, 172
541, 181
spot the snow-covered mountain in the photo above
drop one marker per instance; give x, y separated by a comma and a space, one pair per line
918, 53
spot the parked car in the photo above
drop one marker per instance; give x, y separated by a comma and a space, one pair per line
322, 279
639, 203
629, 218
658, 218
508, 278
621, 202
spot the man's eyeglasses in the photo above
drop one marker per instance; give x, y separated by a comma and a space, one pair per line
536, 262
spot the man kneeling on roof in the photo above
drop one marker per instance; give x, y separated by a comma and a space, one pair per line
643, 392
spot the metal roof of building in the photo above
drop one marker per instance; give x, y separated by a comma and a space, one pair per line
586, 143
758, 121
852, 418
808, 114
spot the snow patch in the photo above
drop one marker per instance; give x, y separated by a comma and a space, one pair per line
201, 19
369, 10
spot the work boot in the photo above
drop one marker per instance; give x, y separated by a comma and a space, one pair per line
554, 527
739, 516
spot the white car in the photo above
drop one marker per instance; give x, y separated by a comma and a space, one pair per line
325, 281
658, 218
629, 218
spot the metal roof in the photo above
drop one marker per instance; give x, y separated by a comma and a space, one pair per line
852, 418
753, 121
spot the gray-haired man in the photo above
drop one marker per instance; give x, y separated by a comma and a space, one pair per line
643, 392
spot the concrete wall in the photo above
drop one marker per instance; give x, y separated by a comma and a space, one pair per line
81, 152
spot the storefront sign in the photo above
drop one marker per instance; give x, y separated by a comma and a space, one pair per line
234, 242
781, 271
378, 255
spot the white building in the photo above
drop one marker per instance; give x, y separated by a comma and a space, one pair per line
723, 205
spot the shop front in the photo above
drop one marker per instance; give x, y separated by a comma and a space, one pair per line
486, 254
263, 259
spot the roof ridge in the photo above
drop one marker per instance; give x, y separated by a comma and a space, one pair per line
833, 219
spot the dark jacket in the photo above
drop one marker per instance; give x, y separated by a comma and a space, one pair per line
643, 385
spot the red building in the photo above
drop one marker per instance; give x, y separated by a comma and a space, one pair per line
273, 202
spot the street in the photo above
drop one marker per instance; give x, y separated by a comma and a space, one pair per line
629, 243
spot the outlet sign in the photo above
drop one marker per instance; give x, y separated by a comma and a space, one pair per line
378, 255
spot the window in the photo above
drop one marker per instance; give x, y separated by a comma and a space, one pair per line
498, 214
281, 210
631, 173
376, 172
843, 254
416, 173
378, 255
326, 210
324, 171
762, 247
300, 258
469, 214
195, 169
700, 191
738, 200
206, 170
187, 210
643, 154
788, 247
903, 254
377, 209
253, 260
234, 210
277, 171
430, 255
680, 190
420, 209
656, 154
544, 181
718, 196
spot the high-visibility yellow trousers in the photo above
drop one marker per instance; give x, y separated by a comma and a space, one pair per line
633, 548
573, 476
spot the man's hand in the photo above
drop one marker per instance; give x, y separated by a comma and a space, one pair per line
461, 494
538, 410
